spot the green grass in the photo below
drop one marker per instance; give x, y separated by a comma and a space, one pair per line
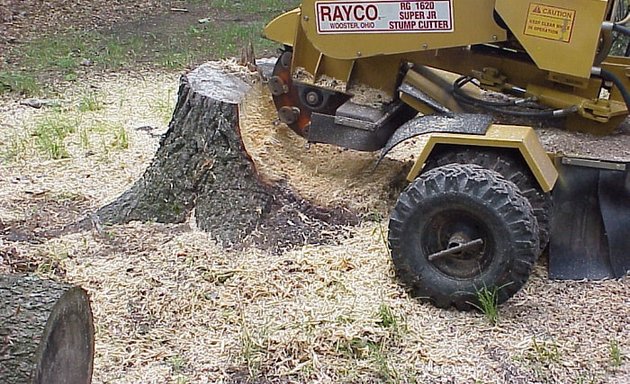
616, 357
50, 134
18, 82
69, 55
488, 303
90, 103
267, 7
545, 353
121, 138
16, 147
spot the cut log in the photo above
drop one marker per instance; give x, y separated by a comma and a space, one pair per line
46, 332
202, 164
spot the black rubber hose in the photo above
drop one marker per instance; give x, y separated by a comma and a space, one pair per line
501, 107
607, 75
460, 82
621, 29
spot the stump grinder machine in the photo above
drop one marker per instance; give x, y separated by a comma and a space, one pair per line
371, 74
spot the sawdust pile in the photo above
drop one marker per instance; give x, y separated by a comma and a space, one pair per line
324, 174
171, 306
361, 94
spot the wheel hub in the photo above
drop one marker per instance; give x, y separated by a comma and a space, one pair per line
457, 244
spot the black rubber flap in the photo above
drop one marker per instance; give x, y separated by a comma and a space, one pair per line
590, 231
614, 200
474, 124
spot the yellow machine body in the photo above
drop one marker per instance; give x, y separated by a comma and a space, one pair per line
546, 47
371, 74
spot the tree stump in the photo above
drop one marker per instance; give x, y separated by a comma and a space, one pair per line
202, 163
46, 332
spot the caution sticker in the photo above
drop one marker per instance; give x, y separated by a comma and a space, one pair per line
384, 16
549, 22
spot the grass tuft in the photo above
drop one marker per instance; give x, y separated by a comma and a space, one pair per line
50, 134
90, 103
121, 138
18, 82
616, 357
488, 299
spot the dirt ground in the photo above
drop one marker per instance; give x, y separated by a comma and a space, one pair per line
171, 306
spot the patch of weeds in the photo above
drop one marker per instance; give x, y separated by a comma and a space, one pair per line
175, 60
256, 7
387, 319
90, 103
84, 137
545, 353
385, 370
59, 52
15, 148
374, 352
71, 76
121, 138
229, 39
616, 356
114, 54
386, 316
50, 134
252, 349
355, 348
18, 82
177, 363
383, 238
488, 303
164, 107
52, 262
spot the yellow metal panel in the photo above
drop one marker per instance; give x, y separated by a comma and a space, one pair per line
283, 28
499, 136
560, 35
471, 22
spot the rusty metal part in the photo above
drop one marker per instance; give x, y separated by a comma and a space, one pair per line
286, 98
296, 100
456, 249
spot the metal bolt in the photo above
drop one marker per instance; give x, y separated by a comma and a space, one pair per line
425, 46
312, 98
305, 18
359, 53
494, 38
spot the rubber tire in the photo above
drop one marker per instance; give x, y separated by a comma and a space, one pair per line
483, 194
512, 167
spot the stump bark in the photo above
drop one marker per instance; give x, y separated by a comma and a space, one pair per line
46, 332
202, 163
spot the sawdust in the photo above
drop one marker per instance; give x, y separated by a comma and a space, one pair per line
171, 306
324, 174
361, 94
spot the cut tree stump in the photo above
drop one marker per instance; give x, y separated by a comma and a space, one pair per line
202, 164
46, 332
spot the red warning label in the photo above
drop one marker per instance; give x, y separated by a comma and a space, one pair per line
384, 16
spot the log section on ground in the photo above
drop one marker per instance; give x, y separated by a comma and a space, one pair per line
46, 332
202, 164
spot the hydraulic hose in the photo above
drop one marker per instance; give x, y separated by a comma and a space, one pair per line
621, 29
607, 75
502, 107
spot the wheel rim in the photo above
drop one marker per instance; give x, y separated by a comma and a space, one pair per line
451, 228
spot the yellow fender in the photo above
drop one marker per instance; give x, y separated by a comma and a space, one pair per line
283, 28
498, 136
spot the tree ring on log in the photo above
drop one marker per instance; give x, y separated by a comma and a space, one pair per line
66, 350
